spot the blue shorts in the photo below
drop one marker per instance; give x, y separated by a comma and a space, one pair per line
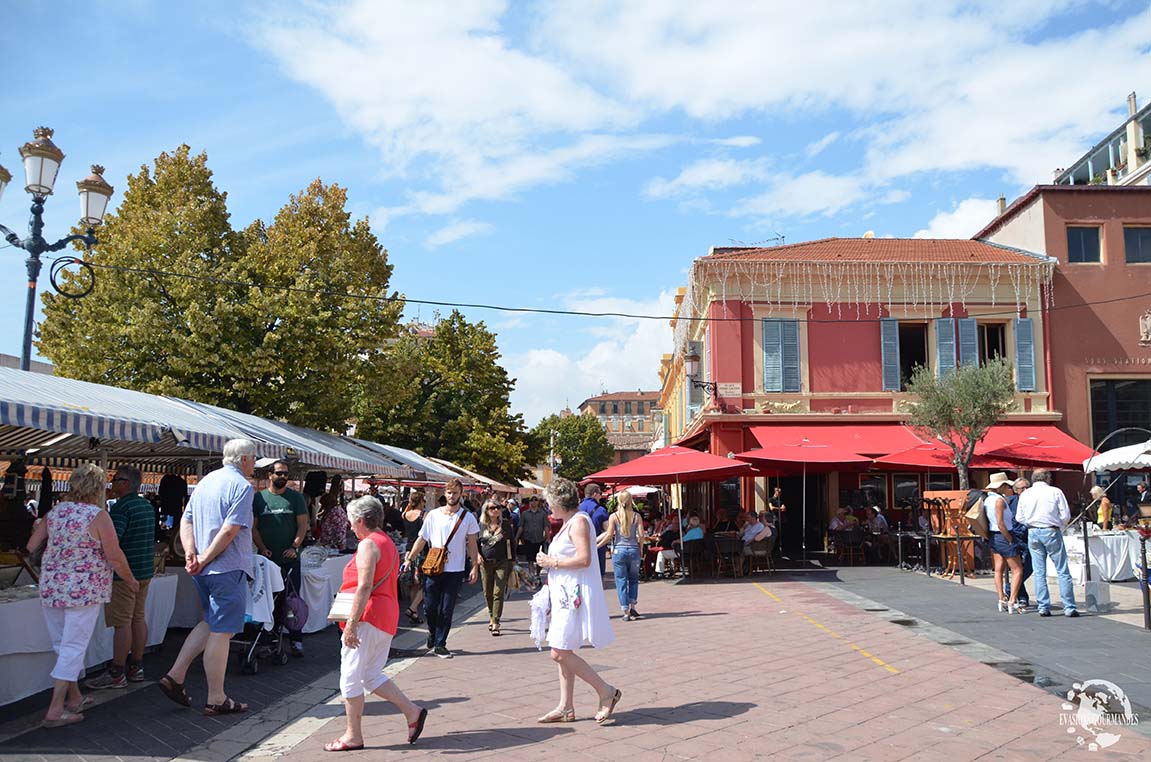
224, 598
1003, 545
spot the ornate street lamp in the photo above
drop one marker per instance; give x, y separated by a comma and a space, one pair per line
691, 370
41, 164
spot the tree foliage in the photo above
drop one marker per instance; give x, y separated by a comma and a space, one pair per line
277, 348
449, 398
581, 444
960, 408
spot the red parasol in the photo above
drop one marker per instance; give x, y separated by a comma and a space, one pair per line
934, 455
672, 465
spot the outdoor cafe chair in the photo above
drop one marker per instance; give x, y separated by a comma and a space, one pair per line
728, 556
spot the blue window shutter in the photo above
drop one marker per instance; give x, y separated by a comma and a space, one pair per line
1025, 354
945, 345
772, 356
790, 352
968, 342
889, 331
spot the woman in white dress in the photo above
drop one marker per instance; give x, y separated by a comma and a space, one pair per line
578, 610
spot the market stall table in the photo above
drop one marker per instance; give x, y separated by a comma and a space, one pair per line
320, 585
26, 656
1114, 556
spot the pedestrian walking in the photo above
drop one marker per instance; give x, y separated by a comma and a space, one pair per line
454, 530
1043, 508
593, 506
1004, 552
279, 527
135, 521
498, 558
216, 531
413, 518
371, 625
578, 611
534, 532
623, 531
75, 579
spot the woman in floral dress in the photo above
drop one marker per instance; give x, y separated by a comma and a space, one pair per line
75, 580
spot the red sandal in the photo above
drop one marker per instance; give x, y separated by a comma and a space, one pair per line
417, 727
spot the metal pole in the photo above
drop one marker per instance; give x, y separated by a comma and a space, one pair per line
959, 554
33, 265
927, 547
1086, 548
899, 534
1143, 584
803, 540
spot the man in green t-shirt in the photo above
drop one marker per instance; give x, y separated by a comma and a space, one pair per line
135, 522
279, 529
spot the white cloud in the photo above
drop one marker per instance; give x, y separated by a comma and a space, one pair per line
456, 231
965, 220
810, 193
708, 174
814, 149
480, 100
625, 357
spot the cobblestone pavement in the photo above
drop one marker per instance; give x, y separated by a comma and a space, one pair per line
799, 667
750, 669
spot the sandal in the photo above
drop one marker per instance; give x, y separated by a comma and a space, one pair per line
174, 691
496, 631
417, 727
66, 718
341, 745
85, 702
558, 715
228, 707
603, 715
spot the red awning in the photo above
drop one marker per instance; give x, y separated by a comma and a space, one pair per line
672, 465
811, 456
937, 456
861, 439
1034, 445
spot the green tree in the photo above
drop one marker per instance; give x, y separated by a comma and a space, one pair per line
205, 334
450, 400
581, 445
960, 408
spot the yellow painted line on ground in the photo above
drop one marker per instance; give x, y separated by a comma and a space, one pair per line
831, 632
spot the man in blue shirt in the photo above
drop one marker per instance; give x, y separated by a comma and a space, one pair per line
592, 506
216, 532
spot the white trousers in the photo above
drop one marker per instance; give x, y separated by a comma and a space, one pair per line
362, 668
70, 630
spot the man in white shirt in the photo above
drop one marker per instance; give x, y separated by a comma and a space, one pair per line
443, 590
752, 528
1044, 511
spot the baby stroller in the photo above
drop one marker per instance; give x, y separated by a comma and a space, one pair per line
268, 641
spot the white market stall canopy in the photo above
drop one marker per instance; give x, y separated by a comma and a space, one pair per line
427, 469
464, 473
1136, 457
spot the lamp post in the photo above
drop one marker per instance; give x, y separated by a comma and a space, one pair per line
41, 163
691, 369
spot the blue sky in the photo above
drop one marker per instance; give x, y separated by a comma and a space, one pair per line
574, 153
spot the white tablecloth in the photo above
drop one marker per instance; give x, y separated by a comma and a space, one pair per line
320, 586
26, 655
1114, 556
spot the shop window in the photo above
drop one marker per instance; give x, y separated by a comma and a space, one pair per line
874, 489
1082, 244
940, 482
906, 489
1118, 404
1137, 244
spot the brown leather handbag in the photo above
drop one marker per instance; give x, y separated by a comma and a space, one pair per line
437, 558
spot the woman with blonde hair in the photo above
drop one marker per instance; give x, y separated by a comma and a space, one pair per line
1105, 507
624, 531
496, 537
75, 582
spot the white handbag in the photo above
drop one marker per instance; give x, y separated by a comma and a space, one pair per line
341, 608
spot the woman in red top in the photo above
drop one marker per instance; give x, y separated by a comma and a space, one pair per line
371, 575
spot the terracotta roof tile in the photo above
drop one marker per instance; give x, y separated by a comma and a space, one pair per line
878, 250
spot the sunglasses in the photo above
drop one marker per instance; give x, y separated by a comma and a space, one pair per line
279, 473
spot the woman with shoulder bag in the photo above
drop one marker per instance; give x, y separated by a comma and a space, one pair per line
369, 624
496, 549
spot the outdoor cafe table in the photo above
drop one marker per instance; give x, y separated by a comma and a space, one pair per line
1114, 556
26, 655
320, 585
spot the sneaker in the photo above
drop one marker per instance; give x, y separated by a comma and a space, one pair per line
296, 649
627, 616
135, 673
1044, 613
1072, 614
107, 680
635, 614
442, 652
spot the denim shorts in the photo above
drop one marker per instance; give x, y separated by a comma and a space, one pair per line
1004, 545
224, 598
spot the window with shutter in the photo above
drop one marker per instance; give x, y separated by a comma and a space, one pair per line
1025, 354
945, 345
889, 342
781, 356
968, 342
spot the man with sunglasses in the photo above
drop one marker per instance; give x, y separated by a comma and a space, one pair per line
279, 529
